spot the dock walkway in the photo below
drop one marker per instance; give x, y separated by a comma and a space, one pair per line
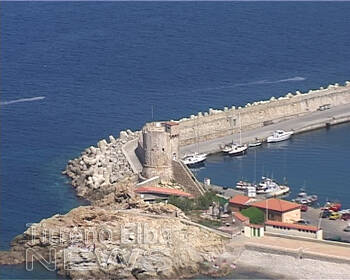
313, 120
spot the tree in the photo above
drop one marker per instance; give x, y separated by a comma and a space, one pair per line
255, 215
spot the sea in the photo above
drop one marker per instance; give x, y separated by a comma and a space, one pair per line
73, 73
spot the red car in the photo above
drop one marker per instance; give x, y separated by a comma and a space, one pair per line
345, 216
335, 207
303, 208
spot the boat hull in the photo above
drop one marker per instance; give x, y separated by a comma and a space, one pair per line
272, 139
238, 152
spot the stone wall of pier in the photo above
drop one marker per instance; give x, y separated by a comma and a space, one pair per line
219, 123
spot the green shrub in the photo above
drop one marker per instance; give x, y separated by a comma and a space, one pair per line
200, 203
255, 215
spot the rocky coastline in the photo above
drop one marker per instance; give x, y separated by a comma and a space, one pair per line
118, 235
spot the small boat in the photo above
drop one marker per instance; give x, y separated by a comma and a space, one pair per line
257, 143
305, 199
194, 159
279, 135
237, 150
228, 148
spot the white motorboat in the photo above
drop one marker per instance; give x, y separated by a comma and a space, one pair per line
257, 142
237, 150
279, 135
228, 148
194, 159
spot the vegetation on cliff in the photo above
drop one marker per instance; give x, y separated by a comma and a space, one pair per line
199, 203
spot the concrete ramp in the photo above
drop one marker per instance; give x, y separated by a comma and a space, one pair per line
130, 154
184, 176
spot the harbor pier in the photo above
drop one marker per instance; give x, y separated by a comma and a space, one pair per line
313, 120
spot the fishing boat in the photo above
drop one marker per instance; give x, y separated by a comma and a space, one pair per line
279, 135
271, 188
194, 159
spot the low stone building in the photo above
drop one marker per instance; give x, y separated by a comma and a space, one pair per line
293, 229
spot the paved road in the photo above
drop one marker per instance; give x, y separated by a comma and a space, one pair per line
307, 122
303, 245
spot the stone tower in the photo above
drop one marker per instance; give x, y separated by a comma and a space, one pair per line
160, 146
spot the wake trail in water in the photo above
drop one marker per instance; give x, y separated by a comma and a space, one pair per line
22, 100
261, 82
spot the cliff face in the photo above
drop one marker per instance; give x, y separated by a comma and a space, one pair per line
94, 242
120, 236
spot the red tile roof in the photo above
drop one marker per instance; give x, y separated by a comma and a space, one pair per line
171, 123
166, 191
239, 216
239, 199
276, 205
292, 226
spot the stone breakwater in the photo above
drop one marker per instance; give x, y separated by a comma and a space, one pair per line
218, 123
99, 169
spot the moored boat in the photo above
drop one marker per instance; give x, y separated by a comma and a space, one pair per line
194, 159
243, 185
257, 143
279, 135
304, 198
237, 150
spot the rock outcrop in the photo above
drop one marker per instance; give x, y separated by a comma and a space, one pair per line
99, 169
95, 242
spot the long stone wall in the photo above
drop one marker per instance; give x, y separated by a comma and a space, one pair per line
219, 123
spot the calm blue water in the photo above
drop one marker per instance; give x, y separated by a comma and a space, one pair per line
96, 68
318, 161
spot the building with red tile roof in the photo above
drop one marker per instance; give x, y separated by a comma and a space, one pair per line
279, 210
239, 202
292, 226
276, 205
309, 231
241, 218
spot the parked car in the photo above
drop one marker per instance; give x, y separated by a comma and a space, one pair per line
335, 207
303, 208
347, 229
326, 214
345, 216
335, 216
303, 222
